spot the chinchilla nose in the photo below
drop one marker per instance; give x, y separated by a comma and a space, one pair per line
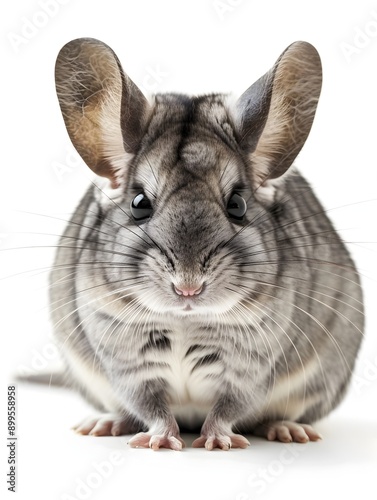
188, 290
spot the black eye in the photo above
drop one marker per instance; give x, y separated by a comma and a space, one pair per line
236, 207
141, 207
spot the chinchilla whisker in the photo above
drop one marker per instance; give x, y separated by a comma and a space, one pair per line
328, 333
135, 318
41, 270
294, 221
255, 303
224, 170
345, 278
71, 279
261, 331
307, 280
129, 289
102, 266
309, 260
314, 215
109, 222
134, 283
152, 170
321, 270
288, 245
67, 237
321, 325
38, 247
84, 226
293, 247
62, 245
310, 296
245, 331
75, 310
129, 311
112, 326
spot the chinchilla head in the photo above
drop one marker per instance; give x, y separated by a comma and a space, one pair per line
191, 181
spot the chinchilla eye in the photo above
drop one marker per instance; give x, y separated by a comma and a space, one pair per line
236, 207
141, 207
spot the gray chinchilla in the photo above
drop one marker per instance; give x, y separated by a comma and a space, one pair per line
199, 282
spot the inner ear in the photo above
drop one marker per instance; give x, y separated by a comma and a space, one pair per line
104, 111
276, 113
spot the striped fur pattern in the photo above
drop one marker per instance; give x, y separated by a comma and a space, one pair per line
273, 333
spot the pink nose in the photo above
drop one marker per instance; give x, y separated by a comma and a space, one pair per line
188, 291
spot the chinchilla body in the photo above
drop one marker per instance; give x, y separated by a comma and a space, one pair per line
204, 283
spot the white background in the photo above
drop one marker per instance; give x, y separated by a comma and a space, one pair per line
194, 46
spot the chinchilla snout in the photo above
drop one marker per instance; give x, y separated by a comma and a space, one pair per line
190, 231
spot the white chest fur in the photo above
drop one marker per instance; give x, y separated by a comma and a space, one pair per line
192, 379
192, 391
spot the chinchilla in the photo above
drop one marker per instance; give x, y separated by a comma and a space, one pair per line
199, 282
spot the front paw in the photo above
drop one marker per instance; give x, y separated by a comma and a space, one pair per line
157, 441
221, 441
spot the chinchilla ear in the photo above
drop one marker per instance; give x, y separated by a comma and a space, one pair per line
274, 116
104, 111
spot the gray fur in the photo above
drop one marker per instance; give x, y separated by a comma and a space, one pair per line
281, 298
